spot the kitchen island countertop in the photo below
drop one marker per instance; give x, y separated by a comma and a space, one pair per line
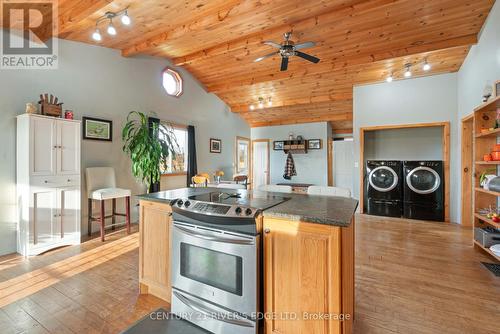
317, 209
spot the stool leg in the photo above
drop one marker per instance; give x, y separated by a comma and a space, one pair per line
113, 219
127, 208
89, 223
102, 219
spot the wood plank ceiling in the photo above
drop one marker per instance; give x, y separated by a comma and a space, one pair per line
358, 41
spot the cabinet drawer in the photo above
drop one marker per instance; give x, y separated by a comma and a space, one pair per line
55, 181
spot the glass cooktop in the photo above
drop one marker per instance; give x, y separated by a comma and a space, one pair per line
253, 200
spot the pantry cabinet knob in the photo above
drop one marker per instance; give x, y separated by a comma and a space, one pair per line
266, 230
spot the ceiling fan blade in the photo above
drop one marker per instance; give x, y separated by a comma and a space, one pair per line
307, 57
304, 45
273, 44
284, 63
266, 56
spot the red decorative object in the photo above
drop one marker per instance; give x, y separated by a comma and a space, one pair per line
68, 114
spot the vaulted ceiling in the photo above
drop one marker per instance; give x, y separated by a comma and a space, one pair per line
358, 41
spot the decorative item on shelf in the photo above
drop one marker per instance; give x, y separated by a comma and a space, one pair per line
50, 105
68, 114
278, 145
494, 184
215, 145
497, 88
485, 177
218, 176
31, 108
487, 91
291, 136
314, 144
97, 129
487, 157
495, 154
299, 138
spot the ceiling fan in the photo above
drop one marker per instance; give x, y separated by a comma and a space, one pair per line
289, 49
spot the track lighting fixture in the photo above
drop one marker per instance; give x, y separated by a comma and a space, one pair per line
389, 78
111, 30
261, 102
252, 107
269, 102
426, 66
407, 71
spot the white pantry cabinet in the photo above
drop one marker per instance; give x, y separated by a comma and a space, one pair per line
48, 183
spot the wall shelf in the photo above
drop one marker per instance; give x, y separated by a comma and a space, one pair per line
493, 104
487, 162
487, 220
487, 250
489, 192
493, 133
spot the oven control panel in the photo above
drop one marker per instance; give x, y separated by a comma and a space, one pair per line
214, 209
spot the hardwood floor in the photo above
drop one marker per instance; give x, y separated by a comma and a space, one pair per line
411, 277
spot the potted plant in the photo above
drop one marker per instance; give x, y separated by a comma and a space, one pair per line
148, 146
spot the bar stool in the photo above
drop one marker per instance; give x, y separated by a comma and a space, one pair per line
101, 186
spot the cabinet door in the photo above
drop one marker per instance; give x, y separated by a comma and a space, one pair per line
69, 209
43, 146
154, 249
44, 227
68, 153
301, 276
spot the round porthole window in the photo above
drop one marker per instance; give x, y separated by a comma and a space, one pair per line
172, 82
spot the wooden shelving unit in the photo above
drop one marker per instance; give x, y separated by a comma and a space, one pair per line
484, 117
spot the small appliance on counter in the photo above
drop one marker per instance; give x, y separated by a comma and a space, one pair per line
487, 236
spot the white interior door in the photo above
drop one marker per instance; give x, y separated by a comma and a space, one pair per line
43, 146
260, 160
68, 153
69, 202
343, 164
45, 225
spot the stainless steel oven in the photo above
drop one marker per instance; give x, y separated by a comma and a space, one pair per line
215, 278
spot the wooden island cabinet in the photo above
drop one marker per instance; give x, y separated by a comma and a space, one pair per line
308, 277
308, 270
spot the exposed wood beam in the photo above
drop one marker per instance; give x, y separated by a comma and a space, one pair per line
305, 102
342, 131
309, 23
74, 11
299, 120
340, 63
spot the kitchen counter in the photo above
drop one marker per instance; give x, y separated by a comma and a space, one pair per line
317, 209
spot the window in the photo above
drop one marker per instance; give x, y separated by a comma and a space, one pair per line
242, 155
179, 163
172, 82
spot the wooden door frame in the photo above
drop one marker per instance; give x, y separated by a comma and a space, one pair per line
467, 162
446, 158
236, 153
329, 155
268, 177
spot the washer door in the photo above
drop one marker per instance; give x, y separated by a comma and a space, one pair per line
383, 179
423, 180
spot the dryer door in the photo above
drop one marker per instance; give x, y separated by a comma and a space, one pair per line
383, 179
423, 180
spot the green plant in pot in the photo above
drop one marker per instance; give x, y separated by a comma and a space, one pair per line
147, 146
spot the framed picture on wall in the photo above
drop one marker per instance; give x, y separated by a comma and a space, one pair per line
314, 144
97, 129
215, 145
278, 145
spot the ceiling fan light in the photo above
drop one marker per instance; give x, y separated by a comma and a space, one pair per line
126, 19
111, 29
96, 36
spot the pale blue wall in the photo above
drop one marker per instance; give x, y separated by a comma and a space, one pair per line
311, 167
99, 82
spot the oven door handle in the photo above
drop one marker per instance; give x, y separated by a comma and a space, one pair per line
227, 238
212, 313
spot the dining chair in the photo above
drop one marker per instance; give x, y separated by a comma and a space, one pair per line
101, 186
275, 188
328, 191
